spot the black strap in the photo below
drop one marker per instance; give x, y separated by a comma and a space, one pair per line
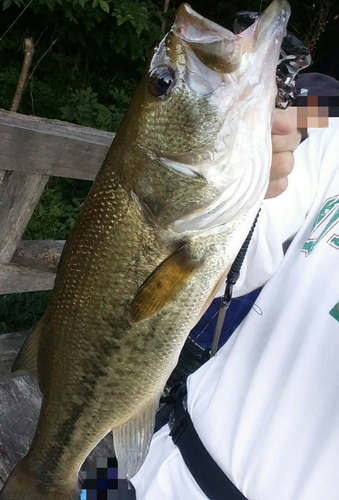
210, 478
232, 278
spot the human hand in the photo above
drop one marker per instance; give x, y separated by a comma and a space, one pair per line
285, 139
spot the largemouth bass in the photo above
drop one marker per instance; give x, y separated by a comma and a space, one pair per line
165, 218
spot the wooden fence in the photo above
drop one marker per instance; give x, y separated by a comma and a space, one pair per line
32, 149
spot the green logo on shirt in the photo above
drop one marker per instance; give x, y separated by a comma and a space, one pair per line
324, 224
335, 312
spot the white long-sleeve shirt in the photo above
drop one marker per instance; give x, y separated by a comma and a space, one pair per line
266, 406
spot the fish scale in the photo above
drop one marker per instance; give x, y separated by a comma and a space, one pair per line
196, 134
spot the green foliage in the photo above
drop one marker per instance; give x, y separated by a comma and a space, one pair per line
83, 108
20, 311
136, 13
57, 210
85, 52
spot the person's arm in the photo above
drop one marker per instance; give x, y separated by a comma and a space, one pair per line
289, 196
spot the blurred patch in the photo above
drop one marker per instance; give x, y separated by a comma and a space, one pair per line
317, 111
103, 482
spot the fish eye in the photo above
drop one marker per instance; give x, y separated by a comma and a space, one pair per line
161, 80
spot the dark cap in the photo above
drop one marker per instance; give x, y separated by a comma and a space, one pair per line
316, 84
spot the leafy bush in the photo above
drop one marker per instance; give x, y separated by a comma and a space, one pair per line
57, 209
20, 311
84, 108
86, 51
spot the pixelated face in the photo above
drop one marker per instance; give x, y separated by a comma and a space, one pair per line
317, 111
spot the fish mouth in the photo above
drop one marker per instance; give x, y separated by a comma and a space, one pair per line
208, 55
273, 19
220, 49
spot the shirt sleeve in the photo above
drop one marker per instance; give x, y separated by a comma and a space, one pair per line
279, 220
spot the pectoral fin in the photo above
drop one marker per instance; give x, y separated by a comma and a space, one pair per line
163, 284
132, 440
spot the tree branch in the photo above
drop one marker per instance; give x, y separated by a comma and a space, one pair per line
53, 42
29, 51
166, 6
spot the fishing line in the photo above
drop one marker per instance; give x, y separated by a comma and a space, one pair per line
11, 26
208, 324
254, 306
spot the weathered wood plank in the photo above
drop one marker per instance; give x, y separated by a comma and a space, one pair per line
51, 147
16, 279
39, 253
19, 194
19, 411
32, 268
10, 344
20, 404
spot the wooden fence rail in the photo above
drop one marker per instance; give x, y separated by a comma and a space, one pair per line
33, 145
31, 150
